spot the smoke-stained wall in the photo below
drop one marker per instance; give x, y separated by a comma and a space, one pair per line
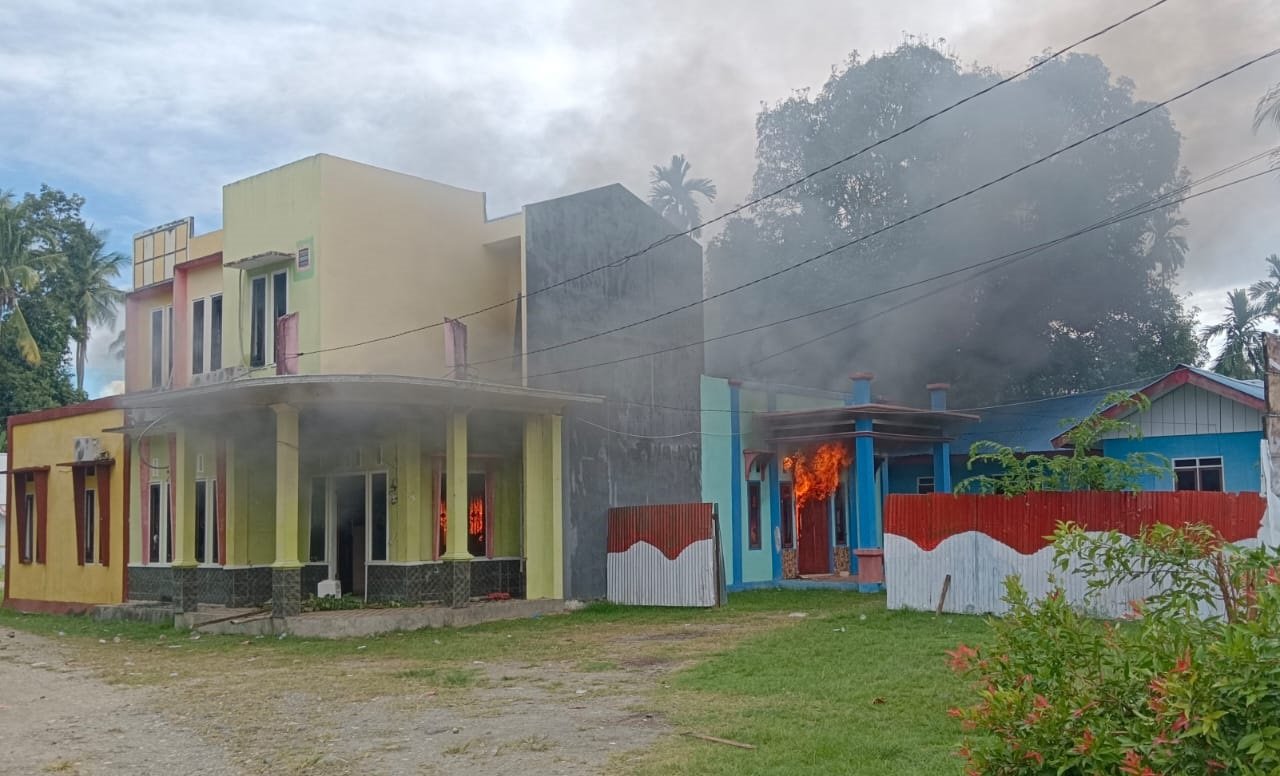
650, 452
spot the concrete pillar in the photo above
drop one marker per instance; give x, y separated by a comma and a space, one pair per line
866, 494
735, 537
286, 571
413, 511
456, 557
543, 507
942, 450
182, 479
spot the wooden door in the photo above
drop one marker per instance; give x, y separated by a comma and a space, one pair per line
815, 539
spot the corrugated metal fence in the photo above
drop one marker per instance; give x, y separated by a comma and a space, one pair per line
664, 555
981, 540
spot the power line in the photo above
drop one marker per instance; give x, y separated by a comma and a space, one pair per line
1015, 256
919, 214
998, 263
1039, 62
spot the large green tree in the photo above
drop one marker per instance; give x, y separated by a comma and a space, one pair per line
47, 260
1096, 310
20, 264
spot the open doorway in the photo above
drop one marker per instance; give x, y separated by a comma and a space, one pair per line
478, 518
350, 520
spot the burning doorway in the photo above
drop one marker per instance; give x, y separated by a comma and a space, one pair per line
815, 478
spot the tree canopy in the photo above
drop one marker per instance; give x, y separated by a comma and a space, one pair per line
55, 282
1098, 309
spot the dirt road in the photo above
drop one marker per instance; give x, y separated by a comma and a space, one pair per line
58, 716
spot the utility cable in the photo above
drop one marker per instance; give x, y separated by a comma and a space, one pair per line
1016, 255
919, 214
1039, 62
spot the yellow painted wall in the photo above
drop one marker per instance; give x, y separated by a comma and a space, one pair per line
274, 211
205, 244
61, 578
400, 252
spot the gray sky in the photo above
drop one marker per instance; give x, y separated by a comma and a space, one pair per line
148, 107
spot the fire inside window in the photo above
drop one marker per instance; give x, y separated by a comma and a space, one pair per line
477, 514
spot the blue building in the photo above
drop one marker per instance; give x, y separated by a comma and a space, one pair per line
1207, 425
773, 525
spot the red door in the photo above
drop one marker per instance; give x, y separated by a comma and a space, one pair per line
815, 539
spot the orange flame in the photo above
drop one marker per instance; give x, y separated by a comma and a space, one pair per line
475, 517
816, 477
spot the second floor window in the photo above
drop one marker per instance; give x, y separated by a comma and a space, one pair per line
264, 309
157, 348
215, 333
197, 337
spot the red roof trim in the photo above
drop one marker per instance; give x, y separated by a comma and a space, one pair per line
1174, 380
70, 411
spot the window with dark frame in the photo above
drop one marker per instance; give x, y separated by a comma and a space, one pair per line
754, 540
89, 551
168, 362
197, 337
159, 540
258, 322
157, 348
787, 516
206, 496
28, 517
215, 333
842, 516
304, 259
1203, 474
924, 485
378, 516
317, 552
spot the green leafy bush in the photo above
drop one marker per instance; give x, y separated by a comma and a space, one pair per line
1187, 684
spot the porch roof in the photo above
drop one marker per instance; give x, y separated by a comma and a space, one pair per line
892, 424
304, 390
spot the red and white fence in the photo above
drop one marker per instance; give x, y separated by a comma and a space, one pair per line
981, 540
664, 555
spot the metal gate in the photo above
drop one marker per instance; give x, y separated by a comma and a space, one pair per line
664, 555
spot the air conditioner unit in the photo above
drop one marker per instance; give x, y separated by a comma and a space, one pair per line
87, 449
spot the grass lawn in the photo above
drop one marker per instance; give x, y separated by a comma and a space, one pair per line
848, 688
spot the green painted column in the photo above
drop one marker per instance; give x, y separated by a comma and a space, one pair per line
183, 482
236, 507
286, 571
411, 509
455, 451
543, 507
286, 486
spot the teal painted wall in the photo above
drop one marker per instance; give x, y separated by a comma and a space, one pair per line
757, 565
1241, 456
717, 458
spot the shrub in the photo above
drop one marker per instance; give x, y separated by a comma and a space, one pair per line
1081, 469
1188, 684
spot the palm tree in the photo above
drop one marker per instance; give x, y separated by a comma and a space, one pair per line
19, 271
1241, 355
671, 194
1268, 110
1267, 292
117, 346
94, 300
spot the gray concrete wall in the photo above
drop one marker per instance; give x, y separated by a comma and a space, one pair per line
652, 456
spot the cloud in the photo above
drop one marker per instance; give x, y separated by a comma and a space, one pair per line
151, 108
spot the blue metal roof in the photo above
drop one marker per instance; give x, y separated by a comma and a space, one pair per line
1032, 425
